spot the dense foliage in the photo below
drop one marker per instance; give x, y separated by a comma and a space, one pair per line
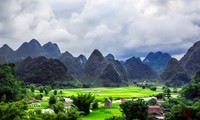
13, 111
135, 109
11, 88
192, 90
181, 111
44, 71
83, 101
52, 100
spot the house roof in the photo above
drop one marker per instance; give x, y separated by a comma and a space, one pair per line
154, 107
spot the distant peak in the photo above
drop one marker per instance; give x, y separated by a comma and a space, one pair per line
49, 43
96, 52
110, 56
96, 55
67, 54
173, 60
81, 56
159, 52
34, 42
6, 46
134, 59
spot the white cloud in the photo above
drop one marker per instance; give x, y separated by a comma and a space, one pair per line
121, 27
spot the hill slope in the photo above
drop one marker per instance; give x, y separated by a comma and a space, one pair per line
44, 71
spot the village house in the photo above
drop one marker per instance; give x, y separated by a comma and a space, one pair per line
156, 111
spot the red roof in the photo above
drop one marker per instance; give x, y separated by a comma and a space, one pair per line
154, 106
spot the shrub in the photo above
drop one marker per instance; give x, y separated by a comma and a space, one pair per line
152, 101
39, 97
95, 105
41, 89
135, 109
83, 101
153, 88
52, 100
58, 107
160, 96
55, 92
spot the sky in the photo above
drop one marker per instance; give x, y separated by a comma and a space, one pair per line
124, 28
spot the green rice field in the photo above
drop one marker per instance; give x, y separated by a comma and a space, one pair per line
100, 95
115, 93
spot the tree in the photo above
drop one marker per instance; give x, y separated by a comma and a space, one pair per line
167, 92
153, 88
191, 91
175, 90
55, 92
160, 96
135, 109
32, 87
152, 101
52, 100
13, 111
181, 111
95, 105
58, 107
11, 88
61, 92
83, 101
47, 89
41, 89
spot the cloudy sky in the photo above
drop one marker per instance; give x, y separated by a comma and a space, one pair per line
123, 27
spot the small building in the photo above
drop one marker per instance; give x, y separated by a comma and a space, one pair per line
47, 111
35, 104
123, 100
160, 101
68, 102
156, 111
108, 103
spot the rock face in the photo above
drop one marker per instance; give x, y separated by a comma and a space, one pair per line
191, 60
175, 74
6, 54
44, 71
32, 49
110, 57
138, 71
75, 65
52, 50
103, 72
157, 61
181, 72
81, 59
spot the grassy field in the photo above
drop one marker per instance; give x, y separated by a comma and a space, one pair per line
101, 94
115, 93
103, 113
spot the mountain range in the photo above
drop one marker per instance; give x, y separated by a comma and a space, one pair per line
180, 72
31, 59
157, 61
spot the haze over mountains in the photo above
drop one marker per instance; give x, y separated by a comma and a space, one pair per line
97, 70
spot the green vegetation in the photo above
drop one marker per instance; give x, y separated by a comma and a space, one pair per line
185, 106
115, 93
135, 109
11, 88
103, 113
83, 101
